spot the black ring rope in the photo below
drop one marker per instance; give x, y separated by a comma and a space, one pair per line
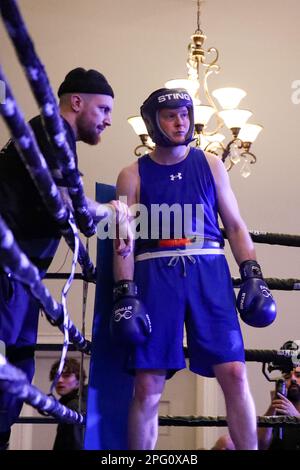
273, 283
270, 238
220, 421
276, 284
282, 358
189, 421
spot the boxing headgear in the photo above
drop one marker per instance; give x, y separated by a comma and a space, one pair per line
166, 98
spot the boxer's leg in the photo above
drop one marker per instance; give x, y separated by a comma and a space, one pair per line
240, 408
143, 414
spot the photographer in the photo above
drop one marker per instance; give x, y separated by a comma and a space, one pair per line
268, 438
287, 404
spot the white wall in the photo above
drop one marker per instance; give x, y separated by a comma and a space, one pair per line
140, 44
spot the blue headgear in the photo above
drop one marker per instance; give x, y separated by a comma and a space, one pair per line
166, 98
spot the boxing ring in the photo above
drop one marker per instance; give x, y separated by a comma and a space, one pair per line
106, 421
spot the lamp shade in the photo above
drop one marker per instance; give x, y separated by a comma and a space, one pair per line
138, 125
203, 113
249, 132
213, 141
235, 118
190, 85
229, 97
215, 137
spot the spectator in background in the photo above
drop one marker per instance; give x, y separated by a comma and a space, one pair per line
289, 405
70, 436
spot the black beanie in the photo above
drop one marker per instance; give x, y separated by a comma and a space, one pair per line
80, 80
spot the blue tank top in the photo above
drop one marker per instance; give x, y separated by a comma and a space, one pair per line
186, 184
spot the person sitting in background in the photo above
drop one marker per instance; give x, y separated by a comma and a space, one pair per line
70, 436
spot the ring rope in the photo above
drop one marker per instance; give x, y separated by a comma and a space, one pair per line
275, 284
282, 358
270, 238
192, 421
205, 421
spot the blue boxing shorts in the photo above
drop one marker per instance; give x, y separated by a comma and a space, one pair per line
195, 291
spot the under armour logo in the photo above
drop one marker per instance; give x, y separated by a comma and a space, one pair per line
178, 176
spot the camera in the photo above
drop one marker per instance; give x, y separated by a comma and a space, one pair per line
280, 388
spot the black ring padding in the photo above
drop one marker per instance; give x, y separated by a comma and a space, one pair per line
282, 239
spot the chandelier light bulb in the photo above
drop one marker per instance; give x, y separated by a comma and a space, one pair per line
203, 113
203, 142
138, 125
229, 97
235, 118
191, 86
213, 142
215, 137
249, 132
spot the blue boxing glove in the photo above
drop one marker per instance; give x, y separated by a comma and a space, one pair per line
130, 324
255, 302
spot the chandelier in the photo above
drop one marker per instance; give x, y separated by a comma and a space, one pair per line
214, 112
